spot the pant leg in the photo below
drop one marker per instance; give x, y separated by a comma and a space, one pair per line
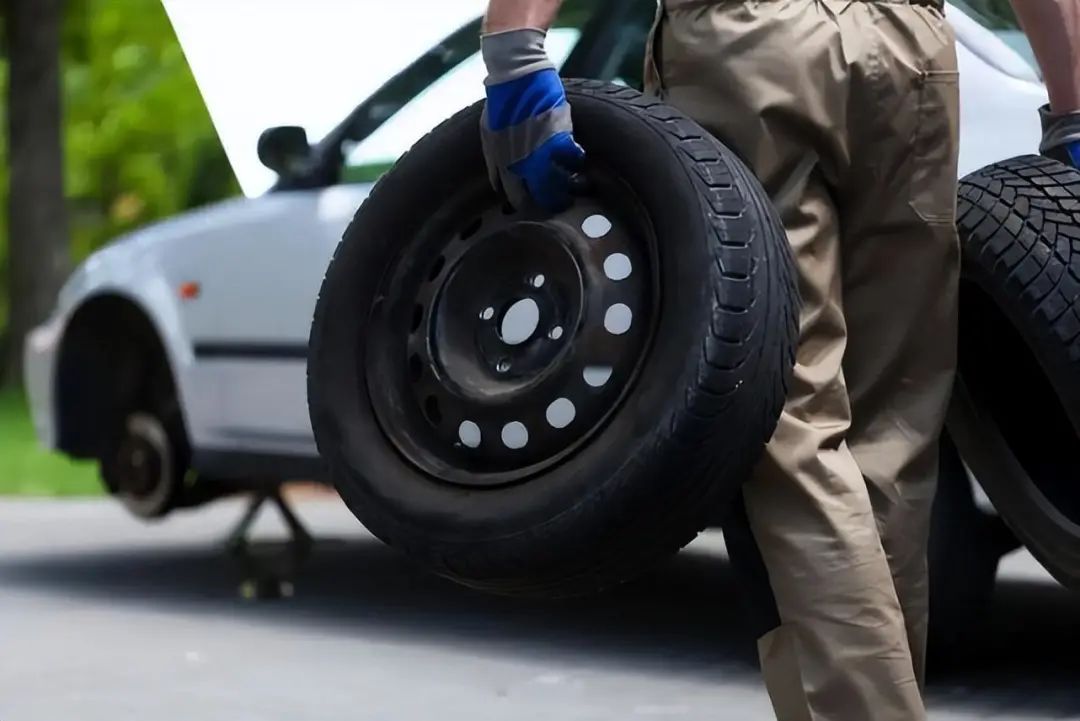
772, 80
901, 262
841, 650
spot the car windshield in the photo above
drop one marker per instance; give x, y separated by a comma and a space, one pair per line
998, 17
451, 77
458, 88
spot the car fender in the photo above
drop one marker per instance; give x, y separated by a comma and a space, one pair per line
134, 268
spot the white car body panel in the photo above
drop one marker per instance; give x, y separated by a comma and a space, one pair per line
259, 261
1000, 95
40, 354
261, 293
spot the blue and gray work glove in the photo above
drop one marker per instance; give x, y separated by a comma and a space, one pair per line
526, 128
1061, 136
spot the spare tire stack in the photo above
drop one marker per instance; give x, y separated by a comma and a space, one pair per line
539, 405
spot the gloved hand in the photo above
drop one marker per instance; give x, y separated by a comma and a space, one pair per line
526, 128
1061, 136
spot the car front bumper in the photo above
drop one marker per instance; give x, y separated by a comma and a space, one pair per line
40, 354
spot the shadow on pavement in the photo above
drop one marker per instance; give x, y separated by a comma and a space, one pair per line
685, 618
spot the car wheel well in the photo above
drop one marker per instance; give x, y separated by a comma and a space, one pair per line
111, 363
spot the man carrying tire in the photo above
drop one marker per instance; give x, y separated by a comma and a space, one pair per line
847, 110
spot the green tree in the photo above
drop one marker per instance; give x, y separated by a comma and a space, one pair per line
38, 256
138, 142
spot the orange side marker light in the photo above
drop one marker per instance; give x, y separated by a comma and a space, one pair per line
190, 290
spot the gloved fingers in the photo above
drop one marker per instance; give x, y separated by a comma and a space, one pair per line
1073, 151
1068, 154
552, 198
552, 194
569, 155
534, 136
494, 173
514, 190
505, 183
555, 193
580, 185
564, 175
510, 187
549, 163
571, 160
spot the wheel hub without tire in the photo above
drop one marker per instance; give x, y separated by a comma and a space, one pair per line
139, 465
141, 469
515, 342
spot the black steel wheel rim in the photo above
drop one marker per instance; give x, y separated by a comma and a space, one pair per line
500, 341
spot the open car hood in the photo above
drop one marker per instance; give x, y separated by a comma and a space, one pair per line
300, 62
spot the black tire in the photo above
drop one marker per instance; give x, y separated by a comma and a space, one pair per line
1017, 403
966, 546
709, 390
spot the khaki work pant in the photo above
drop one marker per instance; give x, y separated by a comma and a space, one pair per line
848, 113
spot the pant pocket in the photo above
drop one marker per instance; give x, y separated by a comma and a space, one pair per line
935, 146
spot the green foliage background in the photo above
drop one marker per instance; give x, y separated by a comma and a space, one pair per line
139, 143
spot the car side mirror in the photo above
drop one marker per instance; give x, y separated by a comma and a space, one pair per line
284, 149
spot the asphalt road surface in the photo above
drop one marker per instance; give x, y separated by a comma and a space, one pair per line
105, 619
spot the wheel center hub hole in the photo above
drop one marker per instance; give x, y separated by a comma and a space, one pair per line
519, 322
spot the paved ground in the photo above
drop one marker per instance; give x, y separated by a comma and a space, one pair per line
103, 619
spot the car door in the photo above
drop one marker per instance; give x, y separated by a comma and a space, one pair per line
259, 275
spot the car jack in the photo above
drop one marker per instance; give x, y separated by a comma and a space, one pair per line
268, 569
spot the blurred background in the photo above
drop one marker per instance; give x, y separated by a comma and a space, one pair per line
105, 131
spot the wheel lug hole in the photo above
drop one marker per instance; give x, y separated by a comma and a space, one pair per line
555, 333
537, 281
469, 434
503, 366
597, 376
487, 313
515, 435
